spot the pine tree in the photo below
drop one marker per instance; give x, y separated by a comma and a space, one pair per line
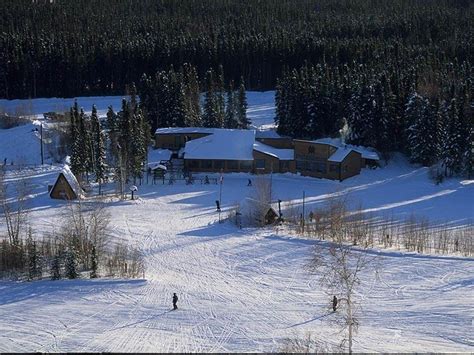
70, 264
454, 144
220, 101
56, 267
191, 88
231, 120
210, 113
242, 106
422, 135
34, 269
76, 157
94, 265
99, 149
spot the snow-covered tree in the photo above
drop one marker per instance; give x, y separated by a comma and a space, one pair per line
231, 120
70, 266
210, 117
56, 267
422, 133
94, 264
244, 122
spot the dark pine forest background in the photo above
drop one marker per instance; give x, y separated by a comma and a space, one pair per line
84, 47
392, 74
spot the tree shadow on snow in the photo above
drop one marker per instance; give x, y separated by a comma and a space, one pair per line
13, 292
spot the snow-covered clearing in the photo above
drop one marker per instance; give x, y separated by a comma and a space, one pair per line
244, 290
241, 290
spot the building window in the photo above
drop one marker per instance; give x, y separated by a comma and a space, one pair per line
206, 164
311, 149
260, 163
284, 165
333, 167
194, 164
218, 164
246, 165
232, 164
301, 165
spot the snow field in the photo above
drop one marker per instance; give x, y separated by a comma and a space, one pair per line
239, 290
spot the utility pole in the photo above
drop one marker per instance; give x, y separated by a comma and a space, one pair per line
220, 195
271, 182
302, 219
41, 142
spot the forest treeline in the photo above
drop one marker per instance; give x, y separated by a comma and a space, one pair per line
70, 48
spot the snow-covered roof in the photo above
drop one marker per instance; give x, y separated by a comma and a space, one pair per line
155, 156
281, 154
340, 154
72, 181
267, 133
366, 152
185, 130
222, 144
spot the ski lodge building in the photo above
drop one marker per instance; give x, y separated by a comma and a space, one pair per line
262, 151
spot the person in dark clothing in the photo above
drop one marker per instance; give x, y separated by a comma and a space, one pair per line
175, 301
249, 183
206, 180
334, 303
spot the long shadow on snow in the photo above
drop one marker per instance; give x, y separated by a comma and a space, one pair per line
13, 292
375, 252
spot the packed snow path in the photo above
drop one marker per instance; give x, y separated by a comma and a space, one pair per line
239, 290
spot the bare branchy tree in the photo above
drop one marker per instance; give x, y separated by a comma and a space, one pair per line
339, 267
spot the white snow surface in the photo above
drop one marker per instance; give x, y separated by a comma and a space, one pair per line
245, 289
39, 106
282, 154
184, 130
155, 156
21, 145
340, 154
222, 144
366, 152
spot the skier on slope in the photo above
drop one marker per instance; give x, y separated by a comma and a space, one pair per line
334, 304
175, 300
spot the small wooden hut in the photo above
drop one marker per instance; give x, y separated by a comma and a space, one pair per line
66, 186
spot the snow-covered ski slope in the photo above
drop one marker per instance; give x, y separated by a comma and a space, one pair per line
244, 290
261, 108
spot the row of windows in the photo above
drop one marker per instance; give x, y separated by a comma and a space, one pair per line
317, 166
221, 164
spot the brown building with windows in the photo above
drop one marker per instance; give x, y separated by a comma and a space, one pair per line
233, 150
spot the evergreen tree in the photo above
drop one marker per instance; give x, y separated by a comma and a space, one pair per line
422, 134
220, 101
76, 157
34, 269
94, 265
71, 264
231, 120
210, 117
191, 88
244, 122
56, 267
99, 149
454, 144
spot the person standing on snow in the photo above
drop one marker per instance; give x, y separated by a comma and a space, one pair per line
175, 300
334, 304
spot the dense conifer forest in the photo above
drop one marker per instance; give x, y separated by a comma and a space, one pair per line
82, 47
392, 74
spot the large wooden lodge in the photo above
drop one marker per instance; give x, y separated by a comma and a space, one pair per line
255, 151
